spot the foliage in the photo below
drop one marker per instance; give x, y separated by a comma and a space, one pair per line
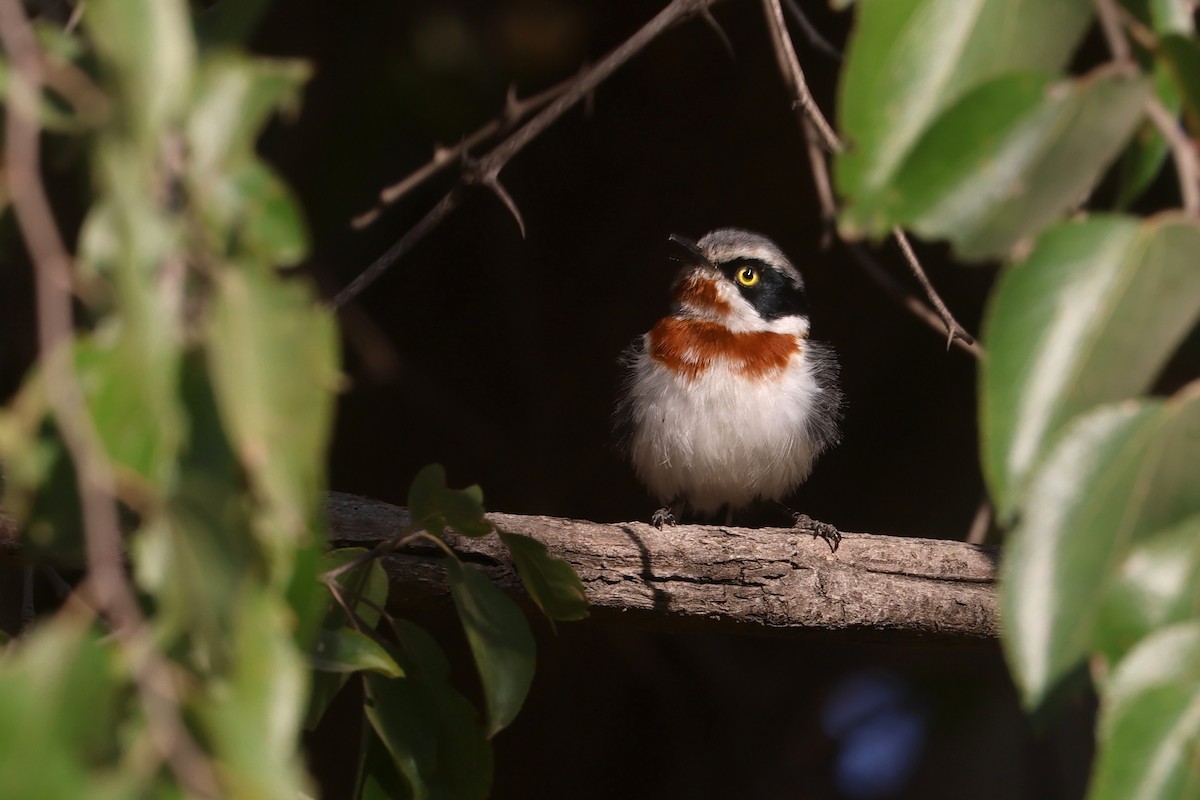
962, 125
209, 378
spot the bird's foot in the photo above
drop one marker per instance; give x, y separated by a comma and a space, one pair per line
824, 530
664, 516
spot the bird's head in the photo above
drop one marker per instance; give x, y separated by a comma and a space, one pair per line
741, 280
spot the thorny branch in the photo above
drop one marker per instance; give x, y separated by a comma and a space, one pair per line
819, 135
486, 171
515, 110
96, 485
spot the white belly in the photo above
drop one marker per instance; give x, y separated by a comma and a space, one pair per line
721, 438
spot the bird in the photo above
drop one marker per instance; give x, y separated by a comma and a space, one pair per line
726, 401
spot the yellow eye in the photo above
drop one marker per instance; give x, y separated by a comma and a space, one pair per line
747, 276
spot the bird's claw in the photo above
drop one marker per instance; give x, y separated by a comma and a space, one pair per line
662, 517
824, 530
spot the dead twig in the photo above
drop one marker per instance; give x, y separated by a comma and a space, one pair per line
515, 110
818, 132
94, 476
486, 171
811, 33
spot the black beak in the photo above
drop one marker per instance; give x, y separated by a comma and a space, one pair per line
695, 255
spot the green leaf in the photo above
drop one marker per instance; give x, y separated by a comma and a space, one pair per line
500, 640
378, 777
253, 714
348, 650
1154, 587
908, 60
431, 732
147, 47
551, 582
1182, 57
433, 506
234, 97
1089, 317
1013, 156
273, 358
1150, 723
1117, 474
61, 696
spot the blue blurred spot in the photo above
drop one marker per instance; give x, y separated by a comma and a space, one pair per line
880, 725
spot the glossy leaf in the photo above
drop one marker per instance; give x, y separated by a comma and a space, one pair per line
1117, 474
1182, 57
1012, 156
908, 60
1154, 587
1150, 726
348, 650
500, 640
1089, 317
551, 582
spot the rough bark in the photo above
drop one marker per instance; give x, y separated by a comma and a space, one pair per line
713, 577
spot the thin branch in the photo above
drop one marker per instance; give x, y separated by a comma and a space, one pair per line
515, 110
1183, 152
811, 33
918, 309
813, 124
955, 331
94, 476
1110, 24
789, 64
487, 170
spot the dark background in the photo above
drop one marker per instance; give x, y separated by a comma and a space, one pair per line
497, 356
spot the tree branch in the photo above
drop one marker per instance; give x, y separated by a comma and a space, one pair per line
820, 134
486, 171
691, 577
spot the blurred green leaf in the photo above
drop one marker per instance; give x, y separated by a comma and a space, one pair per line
253, 713
551, 582
234, 97
147, 47
1161, 16
1182, 57
1150, 724
1089, 317
433, 506
1012, 156
908, 60
432, 733
60, 701
500, 640
1154, 587
1117, 474
348, 650
273, 357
